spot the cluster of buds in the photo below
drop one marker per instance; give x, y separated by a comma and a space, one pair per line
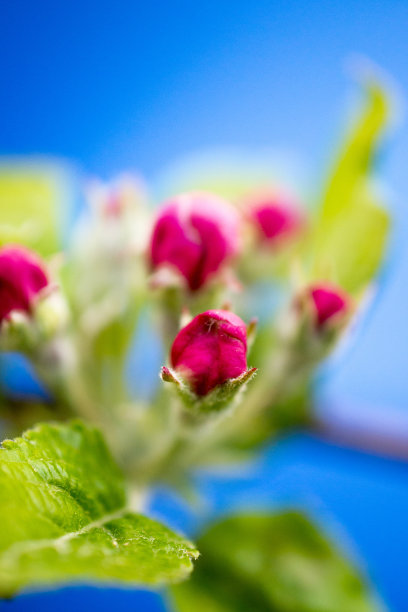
195, 238
194, 241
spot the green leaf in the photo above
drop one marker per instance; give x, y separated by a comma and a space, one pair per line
351, 253
268, 563
33, 201
63, 516
356, 158
351, 229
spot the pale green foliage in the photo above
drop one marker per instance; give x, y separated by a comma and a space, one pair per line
63, 516
32, 199
269, 563
349, 239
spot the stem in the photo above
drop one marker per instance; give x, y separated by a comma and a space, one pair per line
53, 363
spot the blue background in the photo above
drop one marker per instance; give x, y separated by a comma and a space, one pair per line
132, 85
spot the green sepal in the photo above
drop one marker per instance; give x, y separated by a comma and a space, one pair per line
217, 400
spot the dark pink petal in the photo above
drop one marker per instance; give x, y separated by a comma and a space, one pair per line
210, 350
22, 276
275, 217
328, 302
195, 233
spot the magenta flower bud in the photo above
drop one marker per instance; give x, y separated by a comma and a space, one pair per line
275, 217
195, 233
22, 277
329, 303
210, 350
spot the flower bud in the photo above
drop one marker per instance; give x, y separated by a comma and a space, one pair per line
210, 350
196, 234
22, 277
328, 303
116, 199
52, 313
275, 218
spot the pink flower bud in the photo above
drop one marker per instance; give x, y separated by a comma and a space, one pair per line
274, 217
113, 205
195, 233
22, 276
210, 350
328, 303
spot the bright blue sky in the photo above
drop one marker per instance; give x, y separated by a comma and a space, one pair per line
139, 84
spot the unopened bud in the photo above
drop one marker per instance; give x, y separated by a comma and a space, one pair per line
275, 217
328, 304
22, 278
208, 359
195, 234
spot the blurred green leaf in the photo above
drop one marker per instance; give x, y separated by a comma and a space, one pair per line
31, 207
352, 251
355, 160
63, 516
271, 563
351, 229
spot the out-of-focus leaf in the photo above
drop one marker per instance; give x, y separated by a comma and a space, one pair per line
356, 158
352, 251
271, 563
351, 228
31, 207
63, 516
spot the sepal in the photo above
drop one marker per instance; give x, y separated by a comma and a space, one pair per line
219, 399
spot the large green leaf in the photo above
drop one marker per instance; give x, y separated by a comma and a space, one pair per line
63, 516
271, 563
351, 228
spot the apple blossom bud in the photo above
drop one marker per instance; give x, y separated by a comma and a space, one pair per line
275, 217
210, 350
196, 234
329, 303
22, 277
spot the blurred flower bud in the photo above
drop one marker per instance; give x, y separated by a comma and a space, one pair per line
114, 199
275, 217
52, 313
22, 277
195, 233
328, 303
210, 350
